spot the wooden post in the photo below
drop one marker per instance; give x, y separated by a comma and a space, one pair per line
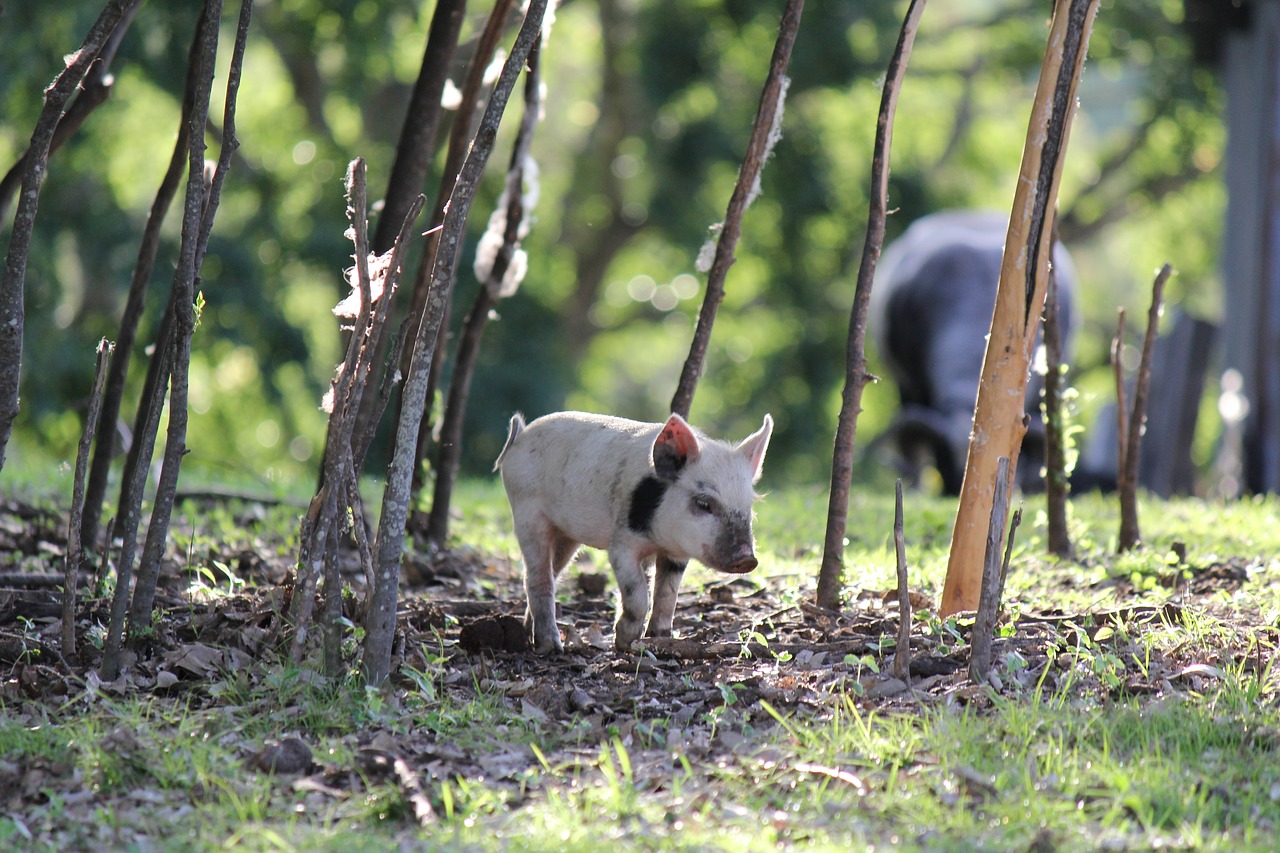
998, 424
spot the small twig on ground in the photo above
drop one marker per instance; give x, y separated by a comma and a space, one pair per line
216, 495
836, 773
989, 600
690, 649
30, 580
902, 656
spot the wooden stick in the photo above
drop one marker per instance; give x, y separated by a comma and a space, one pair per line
764, 134
998, 426
989, 601
389, 547
1057, 485
902, 657
75, 549
1008, 553
1122, 405
1130, 535
856, 375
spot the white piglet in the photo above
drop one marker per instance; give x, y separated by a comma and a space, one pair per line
651, 494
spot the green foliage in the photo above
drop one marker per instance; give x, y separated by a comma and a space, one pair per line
328, 81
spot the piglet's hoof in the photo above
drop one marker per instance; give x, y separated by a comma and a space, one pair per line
549, 645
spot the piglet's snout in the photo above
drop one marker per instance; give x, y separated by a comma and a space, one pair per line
743, 562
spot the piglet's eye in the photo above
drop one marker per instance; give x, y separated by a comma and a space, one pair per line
702, 503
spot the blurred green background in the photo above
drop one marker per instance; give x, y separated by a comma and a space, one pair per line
649, 106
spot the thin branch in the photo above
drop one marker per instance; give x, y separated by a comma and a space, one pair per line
831, 575
389, 549
93, 92
75, 550
1129, 531
449, 451
1057, 483
902, 655
13, 280
422, 118
764, 134
204, 189
1122, 404
143, 267
989, 602
460, 137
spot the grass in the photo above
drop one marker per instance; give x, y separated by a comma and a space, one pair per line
1065, 759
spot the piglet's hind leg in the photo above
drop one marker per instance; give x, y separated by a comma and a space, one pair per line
536, 540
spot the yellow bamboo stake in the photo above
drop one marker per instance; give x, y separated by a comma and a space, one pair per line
999, 420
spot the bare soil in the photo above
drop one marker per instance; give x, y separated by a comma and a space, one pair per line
738, 642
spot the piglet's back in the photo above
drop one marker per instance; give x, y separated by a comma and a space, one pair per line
578, 468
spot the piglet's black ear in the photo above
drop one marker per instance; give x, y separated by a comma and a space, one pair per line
675, 447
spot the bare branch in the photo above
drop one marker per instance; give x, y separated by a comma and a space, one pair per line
132, 315
989, 604
831, 575
902, 655
1129, 532
13, 280
389, 549
75, 550
449, 453
764, 134
1057, 483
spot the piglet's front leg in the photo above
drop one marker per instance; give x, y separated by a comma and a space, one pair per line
667, 575
633, 594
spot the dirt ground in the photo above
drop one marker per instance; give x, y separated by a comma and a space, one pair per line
737, 642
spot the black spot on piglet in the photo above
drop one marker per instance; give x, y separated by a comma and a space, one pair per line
645, 499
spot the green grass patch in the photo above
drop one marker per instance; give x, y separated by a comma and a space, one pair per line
1139, 712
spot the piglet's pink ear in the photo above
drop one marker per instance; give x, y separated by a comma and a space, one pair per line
754, 446
675, 447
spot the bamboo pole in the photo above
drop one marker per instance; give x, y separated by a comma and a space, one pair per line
999, 419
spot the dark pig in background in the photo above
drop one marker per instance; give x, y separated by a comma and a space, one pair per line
655, 495
931, 312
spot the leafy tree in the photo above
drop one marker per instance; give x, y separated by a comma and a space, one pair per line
637, 156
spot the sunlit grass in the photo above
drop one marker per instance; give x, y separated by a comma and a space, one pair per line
1068, 766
